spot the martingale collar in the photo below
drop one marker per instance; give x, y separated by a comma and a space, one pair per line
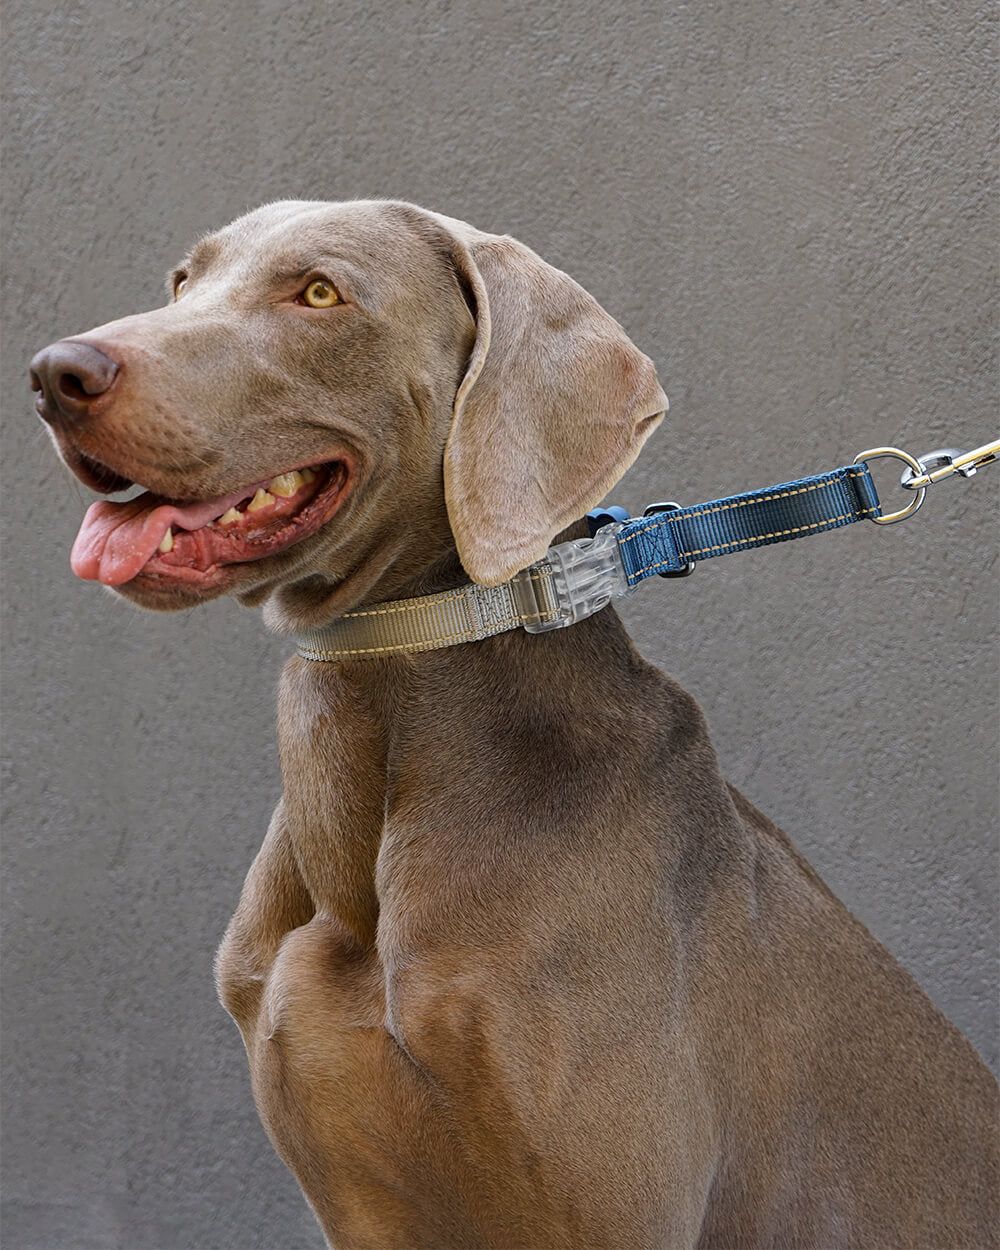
576, 579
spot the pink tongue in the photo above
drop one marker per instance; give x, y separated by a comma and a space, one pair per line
117, 539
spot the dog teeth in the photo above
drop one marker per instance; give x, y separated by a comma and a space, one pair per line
286, 484
167, 541
263, 499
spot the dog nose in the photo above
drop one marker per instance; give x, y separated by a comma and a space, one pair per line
69, 377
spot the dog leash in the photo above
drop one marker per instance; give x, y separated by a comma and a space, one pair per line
576, 579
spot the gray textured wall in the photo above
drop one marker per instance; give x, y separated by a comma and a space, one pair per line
787, 205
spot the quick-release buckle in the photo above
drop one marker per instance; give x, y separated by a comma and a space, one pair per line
574, 581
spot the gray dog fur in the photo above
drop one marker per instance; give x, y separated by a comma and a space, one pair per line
514, 967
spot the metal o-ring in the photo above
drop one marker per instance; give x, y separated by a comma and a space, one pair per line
879, 453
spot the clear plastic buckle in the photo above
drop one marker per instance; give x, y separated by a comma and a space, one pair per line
584, 576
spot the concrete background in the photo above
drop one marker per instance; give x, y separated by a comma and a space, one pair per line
791, 207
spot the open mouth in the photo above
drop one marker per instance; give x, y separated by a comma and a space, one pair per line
189, 542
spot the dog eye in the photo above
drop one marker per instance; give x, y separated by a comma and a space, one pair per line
179, 286
320, 294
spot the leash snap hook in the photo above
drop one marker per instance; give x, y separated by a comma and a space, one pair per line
948, 462
670, 505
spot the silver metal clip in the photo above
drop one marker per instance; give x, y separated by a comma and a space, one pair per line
583, 576
934, 467
938, 465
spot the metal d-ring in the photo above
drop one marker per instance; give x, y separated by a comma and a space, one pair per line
670, 506
879, 453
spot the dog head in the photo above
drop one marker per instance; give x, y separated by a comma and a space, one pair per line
335, 397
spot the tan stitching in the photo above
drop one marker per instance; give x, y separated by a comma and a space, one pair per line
412, 605
415, 605
745, 503
799, 529
427, 644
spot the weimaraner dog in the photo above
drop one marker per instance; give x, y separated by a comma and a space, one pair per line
515, 967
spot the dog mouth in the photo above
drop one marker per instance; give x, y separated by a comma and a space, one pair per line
190, 542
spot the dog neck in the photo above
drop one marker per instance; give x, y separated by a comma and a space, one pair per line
372, 749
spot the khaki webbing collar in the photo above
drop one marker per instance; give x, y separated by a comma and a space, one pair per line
467, 614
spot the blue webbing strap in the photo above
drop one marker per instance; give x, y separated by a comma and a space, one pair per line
666, 542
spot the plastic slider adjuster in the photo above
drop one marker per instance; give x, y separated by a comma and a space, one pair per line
583, 576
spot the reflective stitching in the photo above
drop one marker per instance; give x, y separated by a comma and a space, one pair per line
429, 644
308, 653
415, 605
798, 529
683, 514
410, 605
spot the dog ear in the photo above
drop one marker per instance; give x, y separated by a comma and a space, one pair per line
555, 405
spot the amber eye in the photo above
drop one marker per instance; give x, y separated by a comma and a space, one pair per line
320, 294
179, 286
